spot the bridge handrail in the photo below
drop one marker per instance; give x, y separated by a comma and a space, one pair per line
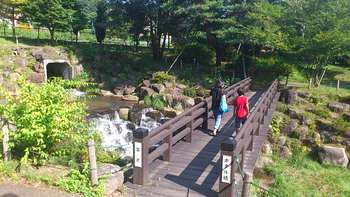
168, 134
244, 141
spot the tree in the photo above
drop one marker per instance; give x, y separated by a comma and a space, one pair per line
83, 13
319, 31
101, 20
50, 14
12, 7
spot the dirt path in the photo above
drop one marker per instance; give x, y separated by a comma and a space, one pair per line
21, 190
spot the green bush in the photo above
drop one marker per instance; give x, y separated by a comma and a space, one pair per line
148, 101
156, 102
190, 91
321, 111
340, 125
79, 182
162, 76
46, 126
282, 107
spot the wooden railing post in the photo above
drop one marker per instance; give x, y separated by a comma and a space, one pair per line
206, 115
5, 140
141, 151
188, 137
92, 160
227, 178
246, 183
167, 153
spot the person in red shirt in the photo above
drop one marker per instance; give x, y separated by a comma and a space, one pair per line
241, 108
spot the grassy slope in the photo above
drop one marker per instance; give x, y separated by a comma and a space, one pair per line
305, 177
302, 175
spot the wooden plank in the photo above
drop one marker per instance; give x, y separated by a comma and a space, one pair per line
157, 152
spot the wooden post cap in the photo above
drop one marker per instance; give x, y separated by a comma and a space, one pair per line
140, 133
228, 144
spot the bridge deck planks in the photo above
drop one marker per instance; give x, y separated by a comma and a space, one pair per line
194, 169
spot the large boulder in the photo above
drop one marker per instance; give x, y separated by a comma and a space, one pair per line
324, 125
14, 76
36, 77
118, 90
289, 96
338, 107
347, 134
135, 114
159, 88
188, 102
106, 93
263, 161
346, 116
115, 177
128, 90
130, 98
38, 67
146, 91
155, 115
146, 83
285, 152
333, 155
305, 95
295, 113
169, 112
290, 127
266, 148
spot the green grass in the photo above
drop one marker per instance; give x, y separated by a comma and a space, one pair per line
308, 178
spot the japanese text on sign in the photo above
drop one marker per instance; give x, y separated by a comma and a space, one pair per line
226, 169
138, 154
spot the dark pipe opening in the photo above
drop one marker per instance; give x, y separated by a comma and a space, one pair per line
62, 70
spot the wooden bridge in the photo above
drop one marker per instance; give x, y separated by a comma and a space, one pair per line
180, 159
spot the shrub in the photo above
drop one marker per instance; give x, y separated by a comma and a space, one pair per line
282, 107
148, 101
322, 112
45, 125
158, 103
79, 182
340, 125
190, 91
161, 77
276, 125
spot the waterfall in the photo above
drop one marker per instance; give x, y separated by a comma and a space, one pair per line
117, 133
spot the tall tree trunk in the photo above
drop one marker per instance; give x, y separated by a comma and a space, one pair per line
218, 52
4, 25
13, 23
52, 34
244, 67
287, 79
38, 36
163, 47
76, 37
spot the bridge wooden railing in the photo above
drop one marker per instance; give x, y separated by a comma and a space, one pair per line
149, 146
241, 153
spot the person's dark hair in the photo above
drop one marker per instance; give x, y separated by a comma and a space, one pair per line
240, 91
220, 83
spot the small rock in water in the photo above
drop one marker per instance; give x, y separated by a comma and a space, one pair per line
155, 115
124, 113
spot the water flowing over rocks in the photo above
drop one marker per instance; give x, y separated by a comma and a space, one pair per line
116, 133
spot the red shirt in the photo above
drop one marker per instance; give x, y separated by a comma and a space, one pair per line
240, 103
